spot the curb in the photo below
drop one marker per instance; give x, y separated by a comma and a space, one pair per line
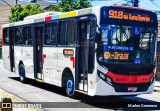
157, 86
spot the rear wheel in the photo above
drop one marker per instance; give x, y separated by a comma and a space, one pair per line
70, 87
22, 73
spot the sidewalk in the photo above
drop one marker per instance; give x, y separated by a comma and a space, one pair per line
157, 85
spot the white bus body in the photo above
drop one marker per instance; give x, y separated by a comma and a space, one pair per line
58, 60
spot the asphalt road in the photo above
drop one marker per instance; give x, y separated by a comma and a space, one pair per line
34, 91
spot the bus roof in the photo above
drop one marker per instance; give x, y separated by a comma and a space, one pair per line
50, 16
41, 15
59, 15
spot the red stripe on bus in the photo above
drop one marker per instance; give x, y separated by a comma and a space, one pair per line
2, 38
130, 79
73, 60
48, 18
43, 57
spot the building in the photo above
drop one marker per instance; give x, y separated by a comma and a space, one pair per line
5, 8
4, 13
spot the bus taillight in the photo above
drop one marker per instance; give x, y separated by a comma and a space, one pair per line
130, 79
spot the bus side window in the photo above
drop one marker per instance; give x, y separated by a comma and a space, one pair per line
62, 34
27, 35
51, 34
18, 36
6, 36
70, 32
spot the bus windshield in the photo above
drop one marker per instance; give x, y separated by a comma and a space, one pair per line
127, 44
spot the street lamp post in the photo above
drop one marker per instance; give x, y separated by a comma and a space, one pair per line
135, 3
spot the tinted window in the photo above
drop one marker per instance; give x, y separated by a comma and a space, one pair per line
70, 32
93, 29
6, 36
18, 35
92, 46
27, 35
62, 35
51, 34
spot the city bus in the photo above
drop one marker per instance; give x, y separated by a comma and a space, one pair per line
103, 50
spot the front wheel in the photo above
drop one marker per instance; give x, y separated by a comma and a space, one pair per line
70, 90
22, 73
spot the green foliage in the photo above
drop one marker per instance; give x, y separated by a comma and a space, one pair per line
70, 5
53, 8
126, 4
18, 12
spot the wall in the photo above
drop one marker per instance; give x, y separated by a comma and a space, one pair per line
4, 13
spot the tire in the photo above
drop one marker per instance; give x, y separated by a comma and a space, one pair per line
22, 73
70, 88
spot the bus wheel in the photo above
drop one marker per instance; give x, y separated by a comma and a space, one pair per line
22, 73
70, 91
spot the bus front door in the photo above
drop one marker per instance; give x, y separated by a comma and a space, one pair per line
82, 54
38, 50
11, 48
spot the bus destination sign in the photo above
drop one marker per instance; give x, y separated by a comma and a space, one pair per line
116, 55
120, 14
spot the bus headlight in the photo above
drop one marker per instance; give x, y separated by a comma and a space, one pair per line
105, 78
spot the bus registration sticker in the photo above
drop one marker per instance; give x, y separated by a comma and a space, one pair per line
133, 89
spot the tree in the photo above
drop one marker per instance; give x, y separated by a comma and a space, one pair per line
70, 5
18, 12
126, 4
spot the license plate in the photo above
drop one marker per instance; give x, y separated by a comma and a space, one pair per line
132, 89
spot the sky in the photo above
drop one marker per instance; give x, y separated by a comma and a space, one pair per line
147, 4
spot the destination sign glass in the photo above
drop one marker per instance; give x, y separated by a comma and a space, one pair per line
127, 15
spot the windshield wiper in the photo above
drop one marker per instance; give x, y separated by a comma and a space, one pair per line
123, 31
143, 34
